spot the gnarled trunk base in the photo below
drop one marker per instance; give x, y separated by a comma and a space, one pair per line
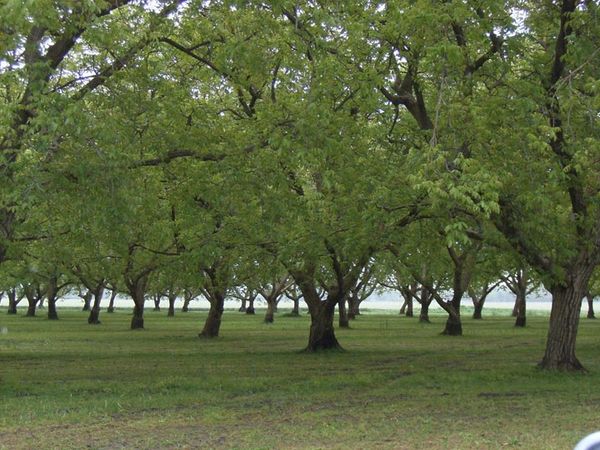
322, 335
453, 327
212, 325
94, 317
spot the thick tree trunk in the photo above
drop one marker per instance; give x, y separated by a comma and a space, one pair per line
353, 307
137, 319
322, 335
87, 300
453, 323
111, 303
590, 301
477, 308
31, 306
172, 298
186, 304
344, 321
156, 303
564, 320
250, 308
212, 324
515, 309
94, 317
52, 313
270, 314
521, 308
243, 306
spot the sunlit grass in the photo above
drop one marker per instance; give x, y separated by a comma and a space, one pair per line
399, 384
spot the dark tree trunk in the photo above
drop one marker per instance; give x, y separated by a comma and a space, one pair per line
111, 303
94, 317
186, 304
87, 300
296, 307
590, 301
322, 335
137, 319
156, 303
353, 307
562, 330
477, 308
212, 324
172, 298
515, 310
520, 306
243, 306
271, 309
424, 313
12, 301
344, 321
409, 308
52, 313
250, 308
453, 323
31, 305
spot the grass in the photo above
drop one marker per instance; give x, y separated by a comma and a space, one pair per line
399, 384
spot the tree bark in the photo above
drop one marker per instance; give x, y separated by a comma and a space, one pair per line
52, 313
212, 324
296, 307
87, 299
186, 304
590, 301
564, 320
353, 307
322, 335
12, 301
424, 313
172, 297
243, 306
271, 307
344, 321
94, 317
250, 308
521, 309
137, 320
32, 303
156, 303
477, 308
111, 303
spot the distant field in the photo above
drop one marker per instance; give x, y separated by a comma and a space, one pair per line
399, 384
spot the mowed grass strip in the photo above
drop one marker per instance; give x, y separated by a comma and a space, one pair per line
399, 384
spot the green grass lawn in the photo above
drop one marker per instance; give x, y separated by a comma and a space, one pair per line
399, 384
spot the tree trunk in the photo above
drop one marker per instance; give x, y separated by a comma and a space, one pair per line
137, 320
515, 309
477, 308
12, 301
212, 324
172, 298
409, 308
353, 307
270, 314
186, 304
250, 308
590, 301
32, 303
424, 314
344, 321
296, 307
111, 303
403, 307
94, 317
156, 303
564, 320
453, 323
243, 306
87, 300
52, 313
322, 335
520, 306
